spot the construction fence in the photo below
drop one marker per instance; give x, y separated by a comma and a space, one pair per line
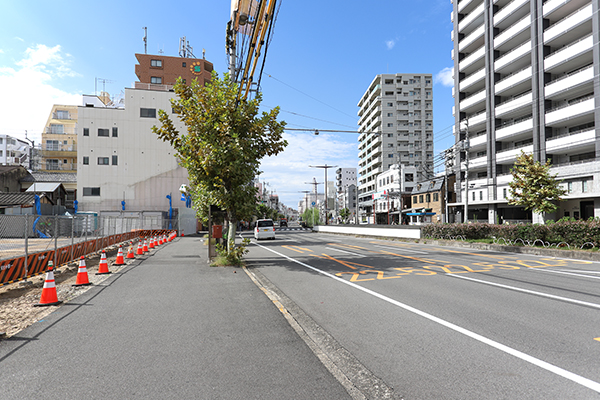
28, 242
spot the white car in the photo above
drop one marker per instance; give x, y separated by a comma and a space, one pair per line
264, 229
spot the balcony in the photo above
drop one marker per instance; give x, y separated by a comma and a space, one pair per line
472, 100
478, 141
517, 82
574, 112
571, 142
510, 155
558, 9
515, 59
472, 41
476, 79
473, 61
517, 33
568, 57
466, 5
477, 119
50, 165
570, 81
473, 19
506, 108
570, 28
513, 130
510, 13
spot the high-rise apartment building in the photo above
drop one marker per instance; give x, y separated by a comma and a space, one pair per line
527, 78
396, 125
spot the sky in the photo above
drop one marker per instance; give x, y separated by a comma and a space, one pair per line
322, 57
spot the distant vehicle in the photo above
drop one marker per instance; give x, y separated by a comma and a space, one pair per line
283, 222
265, 229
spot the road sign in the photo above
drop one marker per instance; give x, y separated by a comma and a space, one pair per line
313, 204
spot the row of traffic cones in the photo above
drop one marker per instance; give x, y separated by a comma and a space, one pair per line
49, 295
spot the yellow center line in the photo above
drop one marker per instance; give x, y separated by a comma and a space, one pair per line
302, 249
598, 339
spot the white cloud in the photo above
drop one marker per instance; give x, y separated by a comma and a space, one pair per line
445, 77
287, 172
390, 44
30, 89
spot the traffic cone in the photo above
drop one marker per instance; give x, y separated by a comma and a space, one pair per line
140, 250
120, 260
155, 241
82, 275
145, 247
49, 296
130, 252
182, 232
151, 243
103, 266
165, 239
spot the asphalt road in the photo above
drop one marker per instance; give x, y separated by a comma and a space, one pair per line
446, 323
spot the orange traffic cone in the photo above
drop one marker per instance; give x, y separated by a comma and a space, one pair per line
49, 296
140, 250
164, 238
82, 275
120, 259
130, 252
145, 247
151, 243
160, 239
103, 266
182, 232
155, 241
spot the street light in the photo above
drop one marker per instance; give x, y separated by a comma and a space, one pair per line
325, 167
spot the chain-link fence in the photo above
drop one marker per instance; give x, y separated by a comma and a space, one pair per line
62, 238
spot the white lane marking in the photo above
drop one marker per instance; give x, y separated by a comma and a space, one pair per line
499, 346
585, 272
343, 251
569, 273
400, 249
516, 289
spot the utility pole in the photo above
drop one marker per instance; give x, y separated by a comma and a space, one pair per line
325, 167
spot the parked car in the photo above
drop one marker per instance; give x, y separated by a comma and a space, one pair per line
265, 229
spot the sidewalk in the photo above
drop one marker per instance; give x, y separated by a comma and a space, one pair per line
167, 327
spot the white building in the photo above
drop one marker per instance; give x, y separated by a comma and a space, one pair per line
14, 151
526, 78
121, 160
388, 199
396, 118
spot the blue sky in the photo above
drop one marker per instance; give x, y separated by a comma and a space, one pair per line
321, 60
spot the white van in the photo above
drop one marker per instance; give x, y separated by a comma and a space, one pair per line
264, 229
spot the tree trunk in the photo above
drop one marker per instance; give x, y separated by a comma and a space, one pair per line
232, 225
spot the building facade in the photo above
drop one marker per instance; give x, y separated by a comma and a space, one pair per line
59, 140
14, 151
156, 71
527, 78
396, 125
122, 164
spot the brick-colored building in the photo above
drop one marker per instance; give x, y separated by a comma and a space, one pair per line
159, 70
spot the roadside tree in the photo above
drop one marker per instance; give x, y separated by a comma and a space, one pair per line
533, 187
222, 147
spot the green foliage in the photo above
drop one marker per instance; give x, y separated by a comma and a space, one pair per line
311, 217
233, 257
574, 232
223, 145
262, 212
345, 214
533, 187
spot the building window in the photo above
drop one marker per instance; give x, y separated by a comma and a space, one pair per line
584, 186
408, 177
52, 165
86, 160
390, 104
480, 195
62, 114
436, 197
420, 198
57, 129
473, 195
86, 131
102, 132
156, 79
570, 187
52, 145
504, 193
91, 191
102, 160
156, 63
115, 131
415, 199
390, 156
428, 198
148, 112
183, 64
115, 160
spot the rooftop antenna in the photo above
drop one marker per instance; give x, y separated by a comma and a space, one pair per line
104, 82
145, 40
185, 50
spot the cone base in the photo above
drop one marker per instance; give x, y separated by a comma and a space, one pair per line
82, 284
119, 264
103, 273
48, 304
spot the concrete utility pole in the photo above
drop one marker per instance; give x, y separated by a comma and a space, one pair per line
466, 147
325, 167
